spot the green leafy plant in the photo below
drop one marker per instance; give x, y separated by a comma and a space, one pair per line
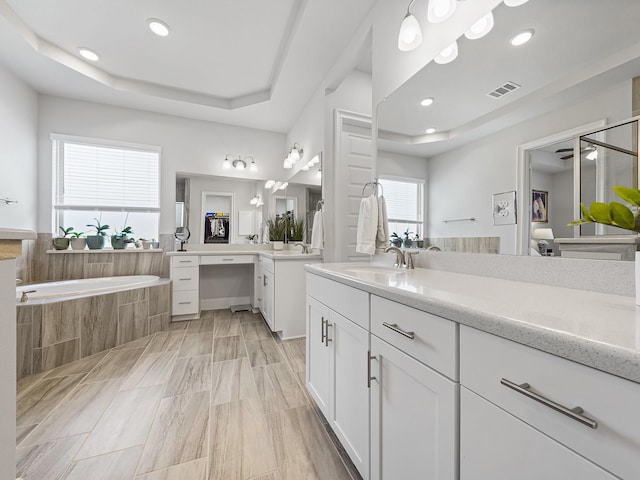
77, 234
277, 227
66, 232
296, 232
124, 232
100, 229
615, 214
406, 234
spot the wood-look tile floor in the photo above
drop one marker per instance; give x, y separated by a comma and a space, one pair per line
219, 398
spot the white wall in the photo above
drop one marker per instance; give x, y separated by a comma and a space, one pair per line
462, 181
18, 153
190, 146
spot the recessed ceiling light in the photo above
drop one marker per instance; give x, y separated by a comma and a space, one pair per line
447, 55
515, 3
429, 131
88, 54
158, 27
522, 37
427, 101
480, 28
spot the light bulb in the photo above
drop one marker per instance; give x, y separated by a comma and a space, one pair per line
240, 165
294, 156
226, 164
440, 10
447, 55
410, 36
480, 28
253, 167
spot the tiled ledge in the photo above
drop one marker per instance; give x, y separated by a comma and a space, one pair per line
108, 250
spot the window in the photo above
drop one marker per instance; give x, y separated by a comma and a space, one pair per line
115, 183
405, 201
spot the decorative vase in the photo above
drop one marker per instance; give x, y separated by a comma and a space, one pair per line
637, 278
147, 244
78, 243
60, 243
118, 243
95, 242
278, 245
396, 242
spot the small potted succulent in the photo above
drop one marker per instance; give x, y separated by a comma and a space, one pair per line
96, 242
120, 240
62, 242
419, 241
146, 244
395, 240
78, 242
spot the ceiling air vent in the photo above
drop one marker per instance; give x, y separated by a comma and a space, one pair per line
502, 90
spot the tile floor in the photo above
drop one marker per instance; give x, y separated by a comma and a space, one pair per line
215, 398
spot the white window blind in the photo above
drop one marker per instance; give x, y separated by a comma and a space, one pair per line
107, 177
404, 200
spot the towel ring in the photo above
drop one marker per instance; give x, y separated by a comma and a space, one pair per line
374, 185
319, 205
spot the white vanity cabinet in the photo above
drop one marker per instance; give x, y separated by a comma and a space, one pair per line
414, 406
337, 352
185, 285
268, 293
512, 418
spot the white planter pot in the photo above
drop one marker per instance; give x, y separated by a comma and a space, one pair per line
637, 278
278, 245
78, 243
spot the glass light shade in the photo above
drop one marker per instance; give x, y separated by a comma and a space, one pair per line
269, 183
240, 165
448, 55
253, 201
226, 164
440, 10
287, 163
522, 38
480, 28
515, 3
253, 167
294, 156
410, 36
592, 155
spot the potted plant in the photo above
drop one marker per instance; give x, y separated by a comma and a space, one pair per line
96, 242
78, 242
276, 227
120, 239
62, 242
146, 244
395, 240
407, 242
252, 238
296, 233
419, 241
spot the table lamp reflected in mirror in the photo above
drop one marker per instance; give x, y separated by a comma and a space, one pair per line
182, 234
542, 235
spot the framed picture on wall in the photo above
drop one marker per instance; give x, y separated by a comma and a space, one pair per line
539, 206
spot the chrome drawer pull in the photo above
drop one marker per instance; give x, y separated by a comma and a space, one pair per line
322, 331
395, 328
369, 377
227, 259
184, 303
326, 335
184, 279
185, 261
574, 413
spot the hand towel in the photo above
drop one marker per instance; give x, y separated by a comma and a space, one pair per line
382, 237
367, 226
317, 231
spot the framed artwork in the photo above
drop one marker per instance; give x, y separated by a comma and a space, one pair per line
539, 206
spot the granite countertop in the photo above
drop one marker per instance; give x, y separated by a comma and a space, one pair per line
598, 330
274, 254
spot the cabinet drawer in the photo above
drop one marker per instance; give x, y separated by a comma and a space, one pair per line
184, 278
222, 259
347, 301
184, 261
267, 264
185, 302
434, 338
610, 401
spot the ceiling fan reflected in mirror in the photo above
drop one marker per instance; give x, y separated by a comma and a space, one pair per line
591, 153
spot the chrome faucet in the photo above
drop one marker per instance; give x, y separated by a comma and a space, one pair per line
305, 247
24, 296
400, 263
410, 260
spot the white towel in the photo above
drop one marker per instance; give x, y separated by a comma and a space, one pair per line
367, 226
382, 237
317, 231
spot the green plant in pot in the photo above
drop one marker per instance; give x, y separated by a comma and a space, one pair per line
78, 242
395, 240
62, 242
406, 241
418, 241
120, 239
296, 232
276, 227
96, 242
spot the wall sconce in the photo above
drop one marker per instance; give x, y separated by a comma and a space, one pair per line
255, 200
294, 155
239, 164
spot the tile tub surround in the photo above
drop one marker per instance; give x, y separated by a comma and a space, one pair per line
169, 410
56, 333
465, 244
595, 329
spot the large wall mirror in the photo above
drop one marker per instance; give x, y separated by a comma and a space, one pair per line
232, 210
577, 71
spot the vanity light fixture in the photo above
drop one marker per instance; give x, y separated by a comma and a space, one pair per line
255, 200
440, 10
294, 155
480, 28
430, 130
158, 27
88, 54
447, 55
522, 37
427, 101
269, 183
515, 3
592, 155
238, 163
283, 185
410, 36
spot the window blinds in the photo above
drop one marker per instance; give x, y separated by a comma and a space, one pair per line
403, 200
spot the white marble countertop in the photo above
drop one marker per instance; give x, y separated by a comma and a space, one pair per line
274, 254
595, 329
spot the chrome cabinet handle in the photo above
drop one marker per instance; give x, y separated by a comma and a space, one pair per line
573, 413
322, 334
184, 279
185, 261
184, 303
326, 335
227, 259
369, 377
397, 329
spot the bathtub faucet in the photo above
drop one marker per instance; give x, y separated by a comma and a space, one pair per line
24, 297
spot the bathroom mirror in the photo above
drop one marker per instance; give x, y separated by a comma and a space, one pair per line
578, 68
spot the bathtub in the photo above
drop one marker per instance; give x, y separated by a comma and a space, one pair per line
68, 320
85, 286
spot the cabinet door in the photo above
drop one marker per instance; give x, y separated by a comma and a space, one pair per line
268, 299
413, 418
349, 409
496, 445
258, 289
317, 366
